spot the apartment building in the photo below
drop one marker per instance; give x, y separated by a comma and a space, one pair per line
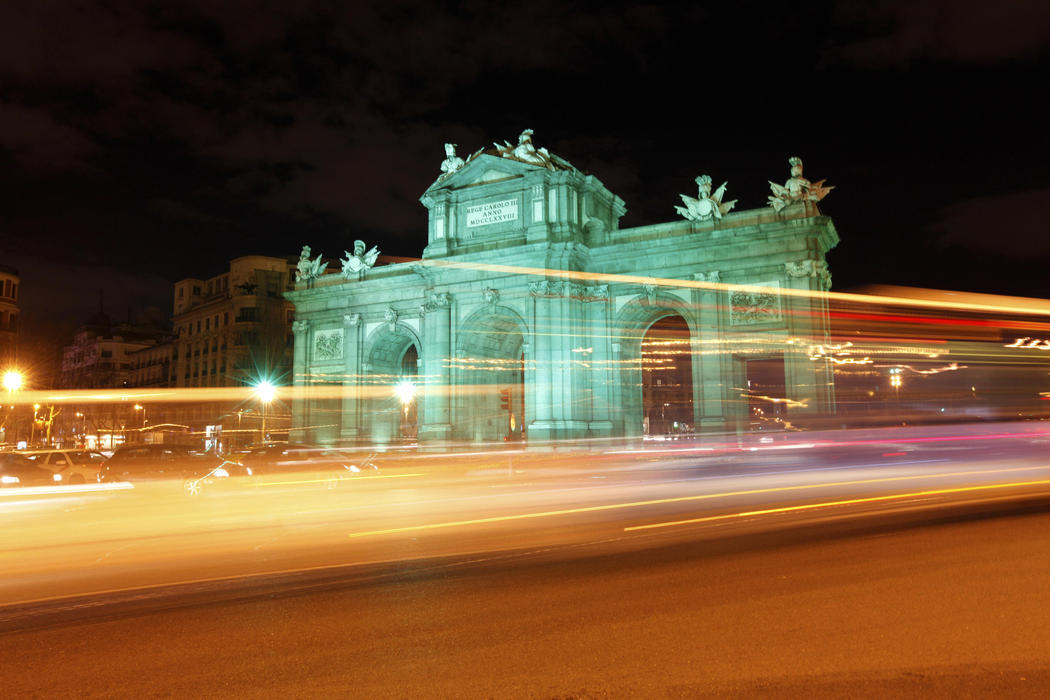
9, 283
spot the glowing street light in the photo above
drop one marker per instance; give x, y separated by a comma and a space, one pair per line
266, 392
13, 380
406, 392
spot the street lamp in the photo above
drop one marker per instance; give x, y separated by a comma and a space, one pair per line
32, 428
13, 380
406, 392
140, 407
266, 392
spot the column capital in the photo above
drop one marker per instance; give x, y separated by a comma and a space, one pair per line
300, 327
809, 268
437, 300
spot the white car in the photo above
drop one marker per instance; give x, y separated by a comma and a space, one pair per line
75, 466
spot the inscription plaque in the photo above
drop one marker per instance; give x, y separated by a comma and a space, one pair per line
492, 213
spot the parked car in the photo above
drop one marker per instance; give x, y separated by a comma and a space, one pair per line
141, 463
75, 466
16, 470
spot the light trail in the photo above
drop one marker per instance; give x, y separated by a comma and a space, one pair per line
1023, 306
730, 447
66, 490
683, 499
829, 504
340, 477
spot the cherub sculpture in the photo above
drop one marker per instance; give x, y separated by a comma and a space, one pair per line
705, 205
797, 188
359, 260
308, 270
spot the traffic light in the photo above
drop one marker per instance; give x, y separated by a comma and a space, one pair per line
504, 399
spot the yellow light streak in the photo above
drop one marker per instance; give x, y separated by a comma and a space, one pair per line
680, 499
66, 489
980, 302
340, 477
952, 367
829, 504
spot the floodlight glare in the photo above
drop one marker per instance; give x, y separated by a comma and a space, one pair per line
406, 391
265, 391
12, 380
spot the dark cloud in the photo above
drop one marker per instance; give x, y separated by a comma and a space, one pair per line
902, 32
1015, 225
179, 135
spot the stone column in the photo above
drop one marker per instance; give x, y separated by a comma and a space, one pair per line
710, 365
600, 374
540, 403
300, 363
350, 428
437, 358
807, 380
558, 379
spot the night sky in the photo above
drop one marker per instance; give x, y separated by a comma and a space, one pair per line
146, 142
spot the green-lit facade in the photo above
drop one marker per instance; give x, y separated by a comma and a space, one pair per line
528, 313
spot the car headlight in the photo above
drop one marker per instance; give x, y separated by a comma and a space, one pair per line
8, 479
220, 471
354, 468
56, 477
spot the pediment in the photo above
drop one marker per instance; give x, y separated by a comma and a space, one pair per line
483, 170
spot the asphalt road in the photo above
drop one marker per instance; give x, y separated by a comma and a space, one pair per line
954, 602
904, 563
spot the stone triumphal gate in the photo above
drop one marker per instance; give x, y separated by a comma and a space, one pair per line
533, 315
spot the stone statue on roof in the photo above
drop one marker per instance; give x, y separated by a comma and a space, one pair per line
797, 188
308, 270
359, 260
526, 152
452, 162
705, 205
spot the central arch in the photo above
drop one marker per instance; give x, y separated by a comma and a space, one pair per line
489, 376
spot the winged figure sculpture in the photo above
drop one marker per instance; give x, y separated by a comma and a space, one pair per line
705, 205
359, 260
